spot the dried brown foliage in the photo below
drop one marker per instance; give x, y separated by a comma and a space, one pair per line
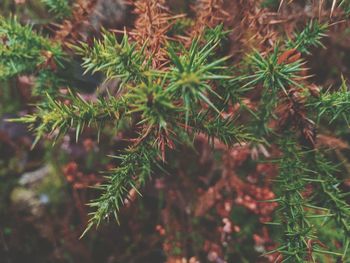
209, 13
71, 29
151, 26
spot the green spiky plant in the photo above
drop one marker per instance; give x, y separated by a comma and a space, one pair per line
168, 106
60, 8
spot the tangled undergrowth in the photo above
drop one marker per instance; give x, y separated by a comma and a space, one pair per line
220, 112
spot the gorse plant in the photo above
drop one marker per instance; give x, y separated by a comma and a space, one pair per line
23, 50
310, 37
79, 114
165, 100
134, 170
265, 101
60, 8
334, 105
112, 58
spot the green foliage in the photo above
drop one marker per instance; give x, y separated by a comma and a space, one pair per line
275, 77
345, 5
297, 210
135, 167
56, 115
47, 82
333, 105
150, 97
309, 37
161, 100
60, 8
193, 93
189, 79
155, 105
114, 59
273, 4
331, 197
225, 130
298, 231
22, 50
